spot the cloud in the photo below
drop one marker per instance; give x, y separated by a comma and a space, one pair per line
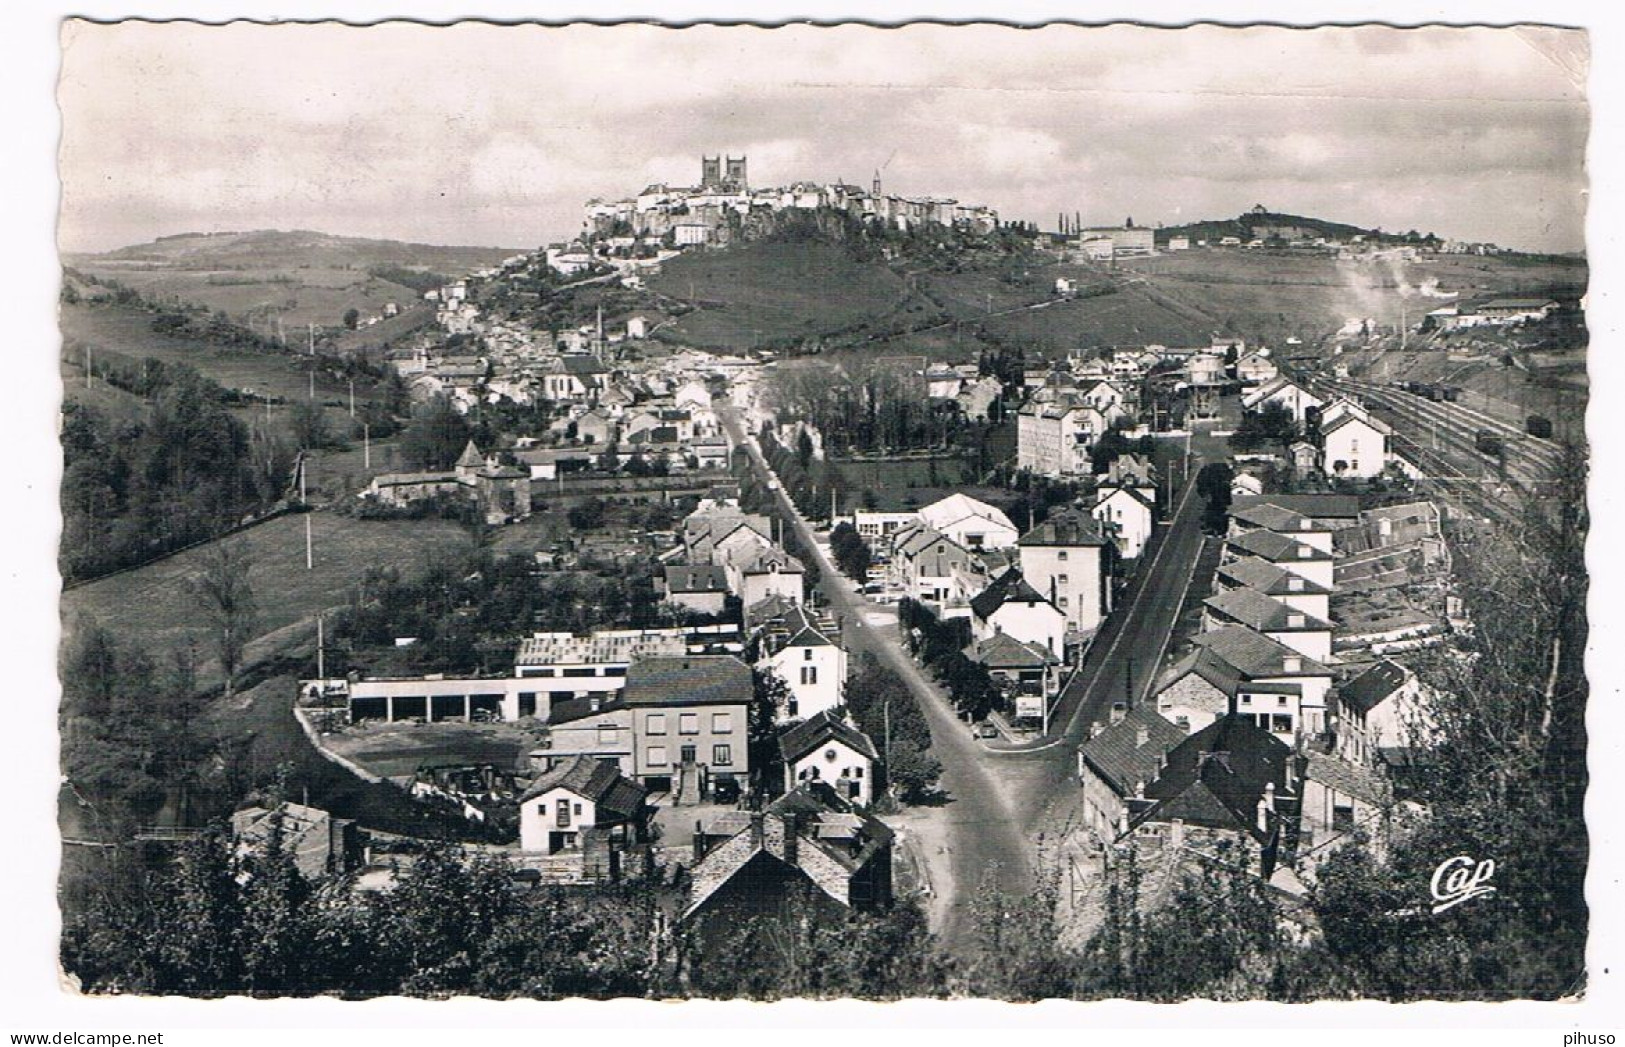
493, 134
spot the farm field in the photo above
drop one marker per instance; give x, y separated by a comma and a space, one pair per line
154, 611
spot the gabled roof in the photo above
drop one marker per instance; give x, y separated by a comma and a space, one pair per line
1217, 776
765, 560
1106, 494
1271, 579
1254, 655
1353, 419
1003, 651
1272, 517
1009, 587
1069, 527
696, 578
1270, 388
1347, 778
1316, 506
1203, 663
917, 538
595, 780
1276, 548
1120, 756
803, 630
697, 679
1374, 686
1253, 609
818, 730
958, 507
582, 366
471, 457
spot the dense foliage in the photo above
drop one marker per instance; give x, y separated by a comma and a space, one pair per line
886, 710
184, 471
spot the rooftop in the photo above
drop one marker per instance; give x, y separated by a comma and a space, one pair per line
689, 680
807, 736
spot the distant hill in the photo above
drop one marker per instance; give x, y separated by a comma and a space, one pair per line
272, 279
1263, 225
275, 249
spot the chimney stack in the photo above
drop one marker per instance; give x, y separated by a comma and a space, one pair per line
1119, 710
1141, 736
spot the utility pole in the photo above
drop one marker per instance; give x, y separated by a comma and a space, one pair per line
321, 659
301, 477
352, 398
311, 335
312, 393
366, 446
310, 555
87, 367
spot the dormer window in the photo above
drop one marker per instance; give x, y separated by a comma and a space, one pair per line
1292, 664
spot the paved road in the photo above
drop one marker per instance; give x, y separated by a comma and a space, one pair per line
1130, 645
984, 829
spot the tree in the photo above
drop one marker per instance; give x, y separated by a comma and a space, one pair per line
352, 317
436, 436
770, 704
851, 552
309, 423
228, 602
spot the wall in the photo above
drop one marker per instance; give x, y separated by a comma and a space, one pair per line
848, 766
704, 739
1085, 589
538, 818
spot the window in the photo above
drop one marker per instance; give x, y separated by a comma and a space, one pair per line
809, 675
1281, 700
722, 723
795, 707
722, 755
857, 772
1246, 699
563, 813
688, 723
579, 673
655, 756
1061, 555
655, 723
807, 655
1060, 579
1281, 724
1343, 819
1065, 601
527, 703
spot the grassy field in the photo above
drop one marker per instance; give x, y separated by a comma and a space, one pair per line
301, 277
128, 331
769, 291
151, 607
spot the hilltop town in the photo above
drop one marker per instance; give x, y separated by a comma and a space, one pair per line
704, 638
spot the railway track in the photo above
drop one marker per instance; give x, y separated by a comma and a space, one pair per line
1447, 434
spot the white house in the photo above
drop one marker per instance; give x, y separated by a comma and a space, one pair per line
827, 749
1289, 394
1013, 607
1130, 516
811, 663
973, 524
574, 798
1065, 557
1354, 444
1379, 711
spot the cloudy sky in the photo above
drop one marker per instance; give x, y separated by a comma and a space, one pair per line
496, 135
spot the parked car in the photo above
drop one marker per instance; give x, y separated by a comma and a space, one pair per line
986, 730
726, 790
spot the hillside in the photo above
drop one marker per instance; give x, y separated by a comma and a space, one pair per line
783, 293
296, 249
268, 278
1260, 224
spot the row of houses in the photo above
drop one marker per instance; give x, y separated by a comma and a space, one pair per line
1342, 437
1259, 734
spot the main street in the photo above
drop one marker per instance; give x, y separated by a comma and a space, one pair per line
984, 834
1123, 661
